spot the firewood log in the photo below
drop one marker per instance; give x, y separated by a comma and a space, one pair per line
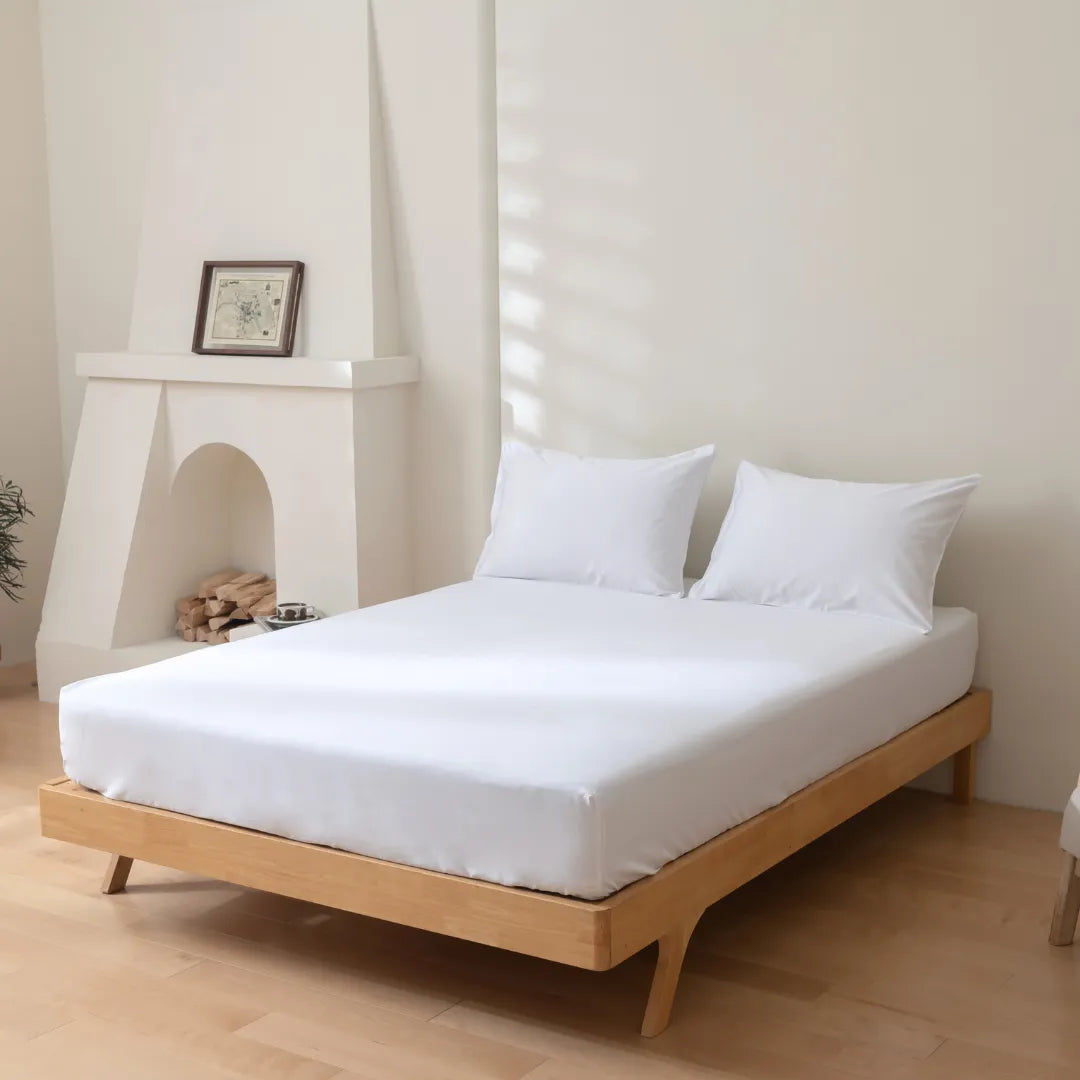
255, 590
208, 586
217, 637
219, 621
195, 617
248, 596
215, 607
267, 605
228, 590
188, 634
184, 605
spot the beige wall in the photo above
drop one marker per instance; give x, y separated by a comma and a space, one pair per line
29, 427
437, 75
103, 69
285, 174
840, 238
98, 62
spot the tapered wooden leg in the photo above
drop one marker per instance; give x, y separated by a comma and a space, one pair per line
116, 876
963, 775
666, 978
1063, 928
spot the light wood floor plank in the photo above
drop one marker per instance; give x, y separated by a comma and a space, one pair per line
345, 974
92, 1049
32, 926
394, 1048
25, 1016
294, 1015
553, 1069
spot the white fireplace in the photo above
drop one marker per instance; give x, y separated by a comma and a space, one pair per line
185, 464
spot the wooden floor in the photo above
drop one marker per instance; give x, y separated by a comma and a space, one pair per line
909, 943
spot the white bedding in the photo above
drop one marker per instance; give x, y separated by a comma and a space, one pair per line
559, 737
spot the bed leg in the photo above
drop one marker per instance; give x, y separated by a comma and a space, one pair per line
117, 874
963, 776
666, 978
1067, 906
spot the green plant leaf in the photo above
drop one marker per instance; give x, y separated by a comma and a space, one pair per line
13, 513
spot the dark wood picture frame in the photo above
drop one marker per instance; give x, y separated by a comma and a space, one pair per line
287, 319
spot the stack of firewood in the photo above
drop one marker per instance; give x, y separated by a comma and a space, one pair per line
222, 602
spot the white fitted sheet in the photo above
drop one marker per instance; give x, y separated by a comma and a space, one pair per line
558, 737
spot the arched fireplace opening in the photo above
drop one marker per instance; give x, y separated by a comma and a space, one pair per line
217, 513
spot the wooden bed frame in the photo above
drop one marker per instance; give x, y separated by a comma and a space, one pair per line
590, 934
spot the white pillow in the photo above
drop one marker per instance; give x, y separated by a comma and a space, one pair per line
620, 524
827, 545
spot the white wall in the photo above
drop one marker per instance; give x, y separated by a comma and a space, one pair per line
436, 62
107, 66
260, 150
29, 429
838, 237
841, 238
100, 77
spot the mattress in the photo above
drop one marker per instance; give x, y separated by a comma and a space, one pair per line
558, 737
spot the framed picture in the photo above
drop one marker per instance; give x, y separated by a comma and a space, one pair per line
248, 308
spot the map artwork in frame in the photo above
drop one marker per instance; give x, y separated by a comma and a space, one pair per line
248, 308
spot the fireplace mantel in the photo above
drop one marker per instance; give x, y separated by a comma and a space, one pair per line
365, 374
331, 438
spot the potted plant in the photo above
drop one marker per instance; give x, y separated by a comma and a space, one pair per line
13, 512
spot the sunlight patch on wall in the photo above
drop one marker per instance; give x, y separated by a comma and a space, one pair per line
517, 149
521, 361
518, 204
521, 308
519, 255
526, 411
